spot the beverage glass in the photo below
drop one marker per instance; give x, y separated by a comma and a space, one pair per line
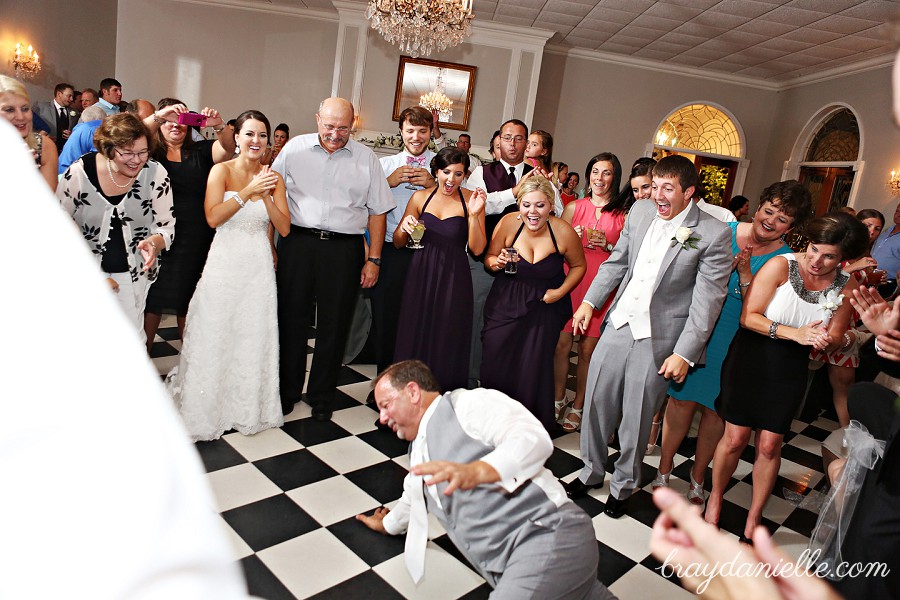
415, 238
413, 162
512, 267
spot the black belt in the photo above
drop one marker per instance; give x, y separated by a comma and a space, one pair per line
322, 234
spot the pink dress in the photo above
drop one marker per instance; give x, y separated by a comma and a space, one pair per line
611, 223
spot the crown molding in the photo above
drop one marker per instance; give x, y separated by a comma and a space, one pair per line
278, 9
663, 67
862, 66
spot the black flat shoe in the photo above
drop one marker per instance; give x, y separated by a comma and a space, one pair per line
615, 508
745, 540
577, 489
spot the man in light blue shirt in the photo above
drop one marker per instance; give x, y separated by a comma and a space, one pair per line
886, 252
110, 96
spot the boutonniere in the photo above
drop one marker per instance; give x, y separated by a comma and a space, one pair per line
828, 303
72, 113
685, 236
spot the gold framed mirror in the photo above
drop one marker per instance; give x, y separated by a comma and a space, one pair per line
445, 86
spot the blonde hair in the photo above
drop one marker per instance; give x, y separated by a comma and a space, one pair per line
535, 183
8, 85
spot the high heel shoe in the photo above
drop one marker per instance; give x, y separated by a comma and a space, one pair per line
695, 493
560, 406
654, 437
571, 425
662, 480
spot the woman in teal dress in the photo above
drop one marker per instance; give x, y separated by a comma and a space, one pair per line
782, 206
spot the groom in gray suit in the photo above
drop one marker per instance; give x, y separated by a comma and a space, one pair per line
671, 266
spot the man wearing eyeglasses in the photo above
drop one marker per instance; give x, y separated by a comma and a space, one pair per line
336, 189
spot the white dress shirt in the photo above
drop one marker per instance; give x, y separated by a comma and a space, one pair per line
400, 193
719, 212
335, 191
498, 201
633, 306
521, 446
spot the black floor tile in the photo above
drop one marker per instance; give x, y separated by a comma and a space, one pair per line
386, 442
802, 457
160, 349
268, 522
310, 432
641, 508
261, 582
482, 592
383, 481
218, 454
365, 585
294, 469
348, 376
374, 548
561, 463
611, 565
815, 433
802, 521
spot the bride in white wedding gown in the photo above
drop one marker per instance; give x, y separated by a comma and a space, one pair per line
227, 377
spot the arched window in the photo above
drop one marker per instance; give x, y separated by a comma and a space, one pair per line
837, 139
713, 139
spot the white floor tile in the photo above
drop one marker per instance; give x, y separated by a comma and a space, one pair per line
164, 364
357, 391
639, 584
301, 411
332, 500
240, 485
804, 443
799, 473
792, 543
570, 443
445, 577
266, 443
356, 420
311, 563
369, 371
348, 454
625, 535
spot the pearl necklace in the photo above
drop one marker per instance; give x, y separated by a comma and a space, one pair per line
111, 178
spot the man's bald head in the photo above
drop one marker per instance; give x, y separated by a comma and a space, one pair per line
334, 119
140, 107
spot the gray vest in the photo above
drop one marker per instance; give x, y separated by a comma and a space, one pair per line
485, 523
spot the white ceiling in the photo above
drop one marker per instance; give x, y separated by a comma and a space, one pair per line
774, 40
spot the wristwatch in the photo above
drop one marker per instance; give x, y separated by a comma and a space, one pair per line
609, 247
377, 261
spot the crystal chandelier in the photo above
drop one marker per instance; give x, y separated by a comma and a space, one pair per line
437, 100
418, 26
26, 62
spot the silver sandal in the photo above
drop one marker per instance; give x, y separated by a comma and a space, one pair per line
662, 480
695, 494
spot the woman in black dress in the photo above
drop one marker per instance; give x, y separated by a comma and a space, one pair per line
188, 163
794, 302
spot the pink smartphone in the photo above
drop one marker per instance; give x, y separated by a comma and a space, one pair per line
192, 119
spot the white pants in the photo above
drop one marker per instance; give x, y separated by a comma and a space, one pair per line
132, 298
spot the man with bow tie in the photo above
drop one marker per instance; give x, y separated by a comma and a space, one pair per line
670, 266
406, 172
477, 464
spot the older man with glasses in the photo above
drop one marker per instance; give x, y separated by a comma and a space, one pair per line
336, 190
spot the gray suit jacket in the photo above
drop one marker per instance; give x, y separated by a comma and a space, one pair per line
690, 286
47, 111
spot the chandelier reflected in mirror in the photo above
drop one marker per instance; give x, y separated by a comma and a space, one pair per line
420, 26
437, 100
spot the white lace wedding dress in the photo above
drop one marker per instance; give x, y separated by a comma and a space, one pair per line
227, 377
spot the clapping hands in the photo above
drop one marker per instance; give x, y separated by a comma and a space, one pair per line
262, 183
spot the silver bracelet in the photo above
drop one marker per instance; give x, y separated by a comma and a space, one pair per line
238, 199
772, 329
848, 341
743, 285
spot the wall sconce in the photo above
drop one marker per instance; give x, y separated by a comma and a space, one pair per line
894, 184
355, 127
26, 61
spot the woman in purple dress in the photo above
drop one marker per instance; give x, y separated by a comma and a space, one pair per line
436, 310
525, 312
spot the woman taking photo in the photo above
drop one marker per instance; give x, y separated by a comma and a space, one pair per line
525, 311
15, 107
782, 207
794, 302
227, 377
123, 204
436, 308
188, 164
597, 220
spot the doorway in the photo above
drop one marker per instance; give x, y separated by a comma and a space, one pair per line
829, 187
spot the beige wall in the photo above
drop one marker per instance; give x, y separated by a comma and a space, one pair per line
57, 31
869, 95
593, 106
227, 58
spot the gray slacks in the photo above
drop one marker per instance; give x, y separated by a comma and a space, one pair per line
622, 383
560, 562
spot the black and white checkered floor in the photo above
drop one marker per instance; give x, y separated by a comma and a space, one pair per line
288, 498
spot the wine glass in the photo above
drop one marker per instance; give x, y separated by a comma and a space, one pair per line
415, 238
